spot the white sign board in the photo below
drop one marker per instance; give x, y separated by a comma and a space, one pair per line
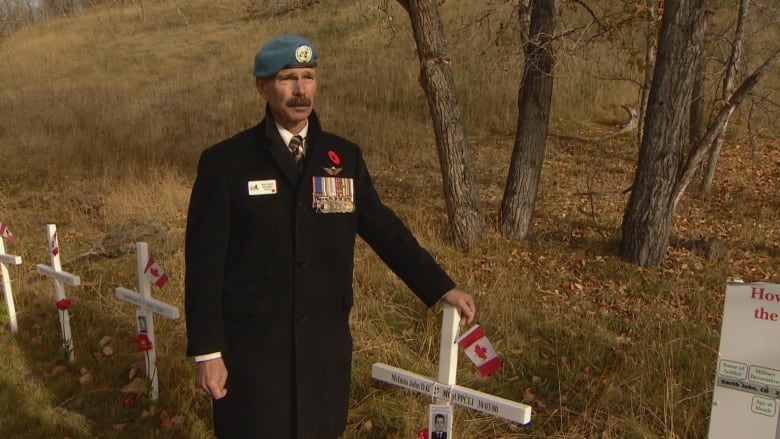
747, 379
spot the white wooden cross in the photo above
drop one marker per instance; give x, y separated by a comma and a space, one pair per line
9, 295
444, 389
60, 278
146, 308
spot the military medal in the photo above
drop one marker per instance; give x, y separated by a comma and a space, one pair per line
333, 194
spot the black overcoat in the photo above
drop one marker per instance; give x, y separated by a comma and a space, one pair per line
268, 279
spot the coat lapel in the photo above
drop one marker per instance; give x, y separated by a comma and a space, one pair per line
278, 150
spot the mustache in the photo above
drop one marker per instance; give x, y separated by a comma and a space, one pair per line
298, 101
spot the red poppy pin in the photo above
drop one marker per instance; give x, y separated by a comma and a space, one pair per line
334, 157
332, 170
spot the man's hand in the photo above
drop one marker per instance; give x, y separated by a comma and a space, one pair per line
463, 302
212, 376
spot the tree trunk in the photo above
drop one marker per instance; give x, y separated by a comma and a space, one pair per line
524, 13
698, 124
534, 101
729, 81
648, 218
464, 209
651, 43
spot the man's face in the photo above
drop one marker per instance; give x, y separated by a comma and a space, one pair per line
439, 423
290, 94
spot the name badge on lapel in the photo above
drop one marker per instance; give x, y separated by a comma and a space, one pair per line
262, 187
333, 194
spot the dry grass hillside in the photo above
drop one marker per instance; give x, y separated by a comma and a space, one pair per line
104, 114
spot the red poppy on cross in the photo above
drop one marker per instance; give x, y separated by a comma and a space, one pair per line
143, 343
63, 304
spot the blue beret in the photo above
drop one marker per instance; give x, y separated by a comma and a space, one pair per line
286, 51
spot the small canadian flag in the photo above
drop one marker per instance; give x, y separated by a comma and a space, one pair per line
156, 273
479, 349
6, 233
55, 245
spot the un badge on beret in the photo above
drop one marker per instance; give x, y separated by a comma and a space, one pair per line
303, 54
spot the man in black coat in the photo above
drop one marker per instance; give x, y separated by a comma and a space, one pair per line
269, 249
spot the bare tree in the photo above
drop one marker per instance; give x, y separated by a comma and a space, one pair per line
697, 122
15, 14
663, 173
729, 83
653, 8
464, 208
534, 114
719, 123
648, 217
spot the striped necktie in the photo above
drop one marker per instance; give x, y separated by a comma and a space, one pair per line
296, 148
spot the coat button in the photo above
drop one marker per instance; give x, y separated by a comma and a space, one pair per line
300, 318
300, 263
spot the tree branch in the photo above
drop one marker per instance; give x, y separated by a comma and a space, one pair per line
716, 127
592, 14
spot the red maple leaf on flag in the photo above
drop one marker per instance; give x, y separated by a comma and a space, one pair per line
481, 352
159, 278
55, 246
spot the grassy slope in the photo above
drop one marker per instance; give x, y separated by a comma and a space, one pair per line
103, 118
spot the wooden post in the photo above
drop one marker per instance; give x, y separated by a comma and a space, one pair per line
60, 278
445, 390
448, 354
9, 296
146, 308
